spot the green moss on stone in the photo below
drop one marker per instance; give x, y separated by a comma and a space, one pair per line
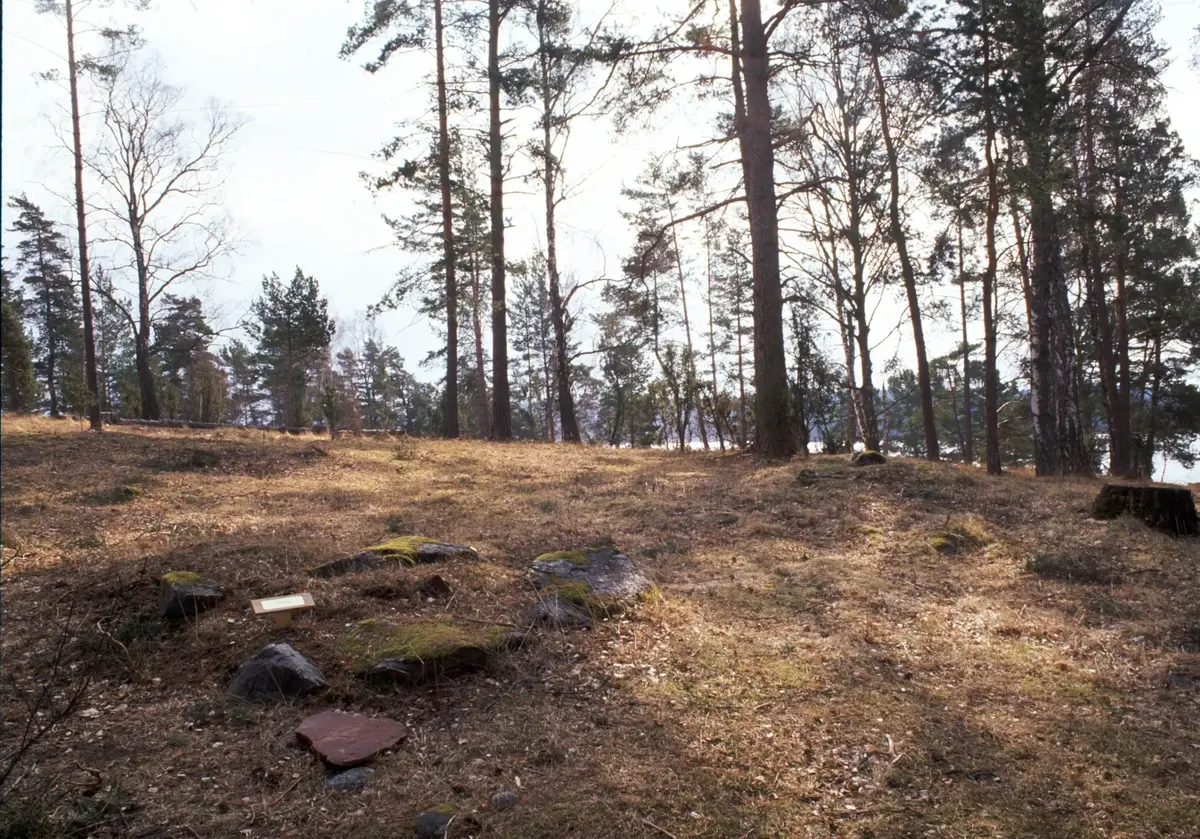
183, 578
581, 594
372, 641
574, 557
403, 548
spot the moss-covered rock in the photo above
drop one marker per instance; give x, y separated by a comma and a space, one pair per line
577, 558
395, 552
419, 652
868, 458
602, 582
185, 594
945, 545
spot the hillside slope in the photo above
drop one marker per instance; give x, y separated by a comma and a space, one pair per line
896, 650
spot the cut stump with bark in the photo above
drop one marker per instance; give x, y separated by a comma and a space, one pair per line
1168, 508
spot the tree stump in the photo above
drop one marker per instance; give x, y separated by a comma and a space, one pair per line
1168, 508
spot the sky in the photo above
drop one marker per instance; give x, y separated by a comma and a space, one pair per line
313, 123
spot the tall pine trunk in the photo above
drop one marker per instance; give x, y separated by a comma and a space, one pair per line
712, 345
85, 277
739, 120
1125, 411
450, 409
900, 238
772, 424
991, 383
501, 403
1118, 438
968, 432
51, 356
558, 313
1058, 427
481, 396
693, 381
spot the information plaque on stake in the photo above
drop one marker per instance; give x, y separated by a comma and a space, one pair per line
283, 608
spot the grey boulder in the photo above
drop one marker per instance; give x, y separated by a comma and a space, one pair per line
277, 673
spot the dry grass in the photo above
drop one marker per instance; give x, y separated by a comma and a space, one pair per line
813, 669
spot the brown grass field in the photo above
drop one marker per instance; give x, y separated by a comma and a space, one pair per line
814, 667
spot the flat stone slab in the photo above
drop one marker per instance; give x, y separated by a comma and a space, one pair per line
414, 653
277, 673
186, 594
345, 740
1168, 508
602, 582
394, 553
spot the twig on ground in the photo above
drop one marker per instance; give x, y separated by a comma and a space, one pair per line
661, 830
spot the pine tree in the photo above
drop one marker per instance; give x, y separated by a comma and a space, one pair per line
243, 379
403, 26
293, 329
17, 377
45, 263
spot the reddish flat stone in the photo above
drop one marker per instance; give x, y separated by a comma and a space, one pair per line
343, 740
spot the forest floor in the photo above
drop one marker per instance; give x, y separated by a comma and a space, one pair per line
819, 663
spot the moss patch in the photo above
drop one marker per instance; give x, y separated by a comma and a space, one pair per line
372, 641
183, 578
944, 544
403, 548
599, 606
578, 558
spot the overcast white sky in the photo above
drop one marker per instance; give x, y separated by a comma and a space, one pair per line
314, 121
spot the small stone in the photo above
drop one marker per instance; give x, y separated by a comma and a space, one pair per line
352, 780
434, 586
503, 800
1183, 679
725, 519
186, 594
277, 672
557, 613
432, 824
344, 740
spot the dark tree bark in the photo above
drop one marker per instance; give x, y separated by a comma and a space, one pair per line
924, 382
85, 277
501, 403
141, 342
991, 382
450, 413
772, 423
